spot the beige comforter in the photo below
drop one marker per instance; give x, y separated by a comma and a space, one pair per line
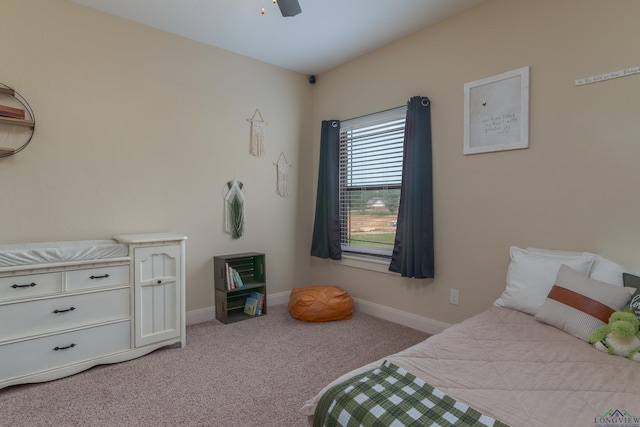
508, 365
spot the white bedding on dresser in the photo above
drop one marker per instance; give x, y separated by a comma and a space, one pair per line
50, 252
508, 365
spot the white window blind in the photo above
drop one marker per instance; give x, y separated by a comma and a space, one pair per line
371, 150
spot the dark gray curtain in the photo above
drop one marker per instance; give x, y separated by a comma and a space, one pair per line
413, 247
326, 228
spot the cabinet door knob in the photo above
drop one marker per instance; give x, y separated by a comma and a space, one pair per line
159, 281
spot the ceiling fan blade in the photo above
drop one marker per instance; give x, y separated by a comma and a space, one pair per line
289, 7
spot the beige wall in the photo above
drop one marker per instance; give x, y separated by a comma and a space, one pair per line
574, 188
138, 131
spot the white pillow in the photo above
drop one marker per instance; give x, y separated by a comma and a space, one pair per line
603, 270
531, 276
555, 252
607, 271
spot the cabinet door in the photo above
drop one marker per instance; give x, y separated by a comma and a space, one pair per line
157, 294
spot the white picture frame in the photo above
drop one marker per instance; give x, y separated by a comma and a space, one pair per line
496, 113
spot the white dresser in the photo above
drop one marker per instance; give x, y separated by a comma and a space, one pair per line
61, 317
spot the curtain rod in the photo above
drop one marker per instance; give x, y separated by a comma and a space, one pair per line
377, 112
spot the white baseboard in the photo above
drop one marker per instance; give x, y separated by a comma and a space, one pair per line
201, 315
279, 298
414, 321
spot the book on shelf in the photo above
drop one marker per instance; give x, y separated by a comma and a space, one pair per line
238, 279
14, 113
234, 280
229, 277
250, 306
259, 297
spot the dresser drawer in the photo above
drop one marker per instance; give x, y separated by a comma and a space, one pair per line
33, 356
96, 277
30, 285
23, 319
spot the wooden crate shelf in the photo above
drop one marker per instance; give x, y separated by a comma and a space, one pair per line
230, 302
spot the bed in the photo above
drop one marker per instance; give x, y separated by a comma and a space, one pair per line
523, 362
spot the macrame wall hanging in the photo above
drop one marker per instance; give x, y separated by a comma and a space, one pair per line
234, 209
282, 185
256, 147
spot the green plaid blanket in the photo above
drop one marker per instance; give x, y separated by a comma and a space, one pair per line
389, 396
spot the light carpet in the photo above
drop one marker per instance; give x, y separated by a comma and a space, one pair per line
256, 372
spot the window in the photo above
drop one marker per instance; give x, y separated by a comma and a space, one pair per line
371, 150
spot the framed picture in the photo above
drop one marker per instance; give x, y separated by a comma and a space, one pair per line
496, 113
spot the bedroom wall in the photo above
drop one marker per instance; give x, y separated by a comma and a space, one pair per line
574, 188
139, 130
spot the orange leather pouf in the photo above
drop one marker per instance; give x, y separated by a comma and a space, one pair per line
320, 304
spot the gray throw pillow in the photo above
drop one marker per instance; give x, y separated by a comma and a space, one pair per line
578, 304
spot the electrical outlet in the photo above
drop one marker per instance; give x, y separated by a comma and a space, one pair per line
454, 297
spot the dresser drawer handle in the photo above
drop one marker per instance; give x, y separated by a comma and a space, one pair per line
64, 311
64, 348
99, 277
29, 285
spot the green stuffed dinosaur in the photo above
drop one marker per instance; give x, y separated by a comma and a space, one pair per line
621, 336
